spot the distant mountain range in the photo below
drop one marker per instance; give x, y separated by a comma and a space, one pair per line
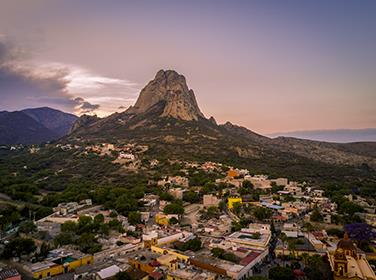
334, 135
34, 126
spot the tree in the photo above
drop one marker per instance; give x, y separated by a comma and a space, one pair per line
335, 232
193, 245
84, 221
88, 243
262, 213
305, 258
247, 184
122, 275
350, 208
316, 216
27, 227
281, 273
174, 208
134, 218
222, 205
173, 221
283, 238
99, 219
237, 208
68, 226
19, 246
360, 232
191, 197
64, 238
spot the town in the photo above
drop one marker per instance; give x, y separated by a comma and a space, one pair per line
237, 225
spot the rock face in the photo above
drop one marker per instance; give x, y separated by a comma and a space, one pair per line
84, 120
169, 88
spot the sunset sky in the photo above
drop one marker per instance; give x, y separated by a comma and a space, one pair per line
268, 65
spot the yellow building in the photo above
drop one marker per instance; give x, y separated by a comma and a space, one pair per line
166, 251
169, 260
59, 264
232, 200
349, 262
162, 219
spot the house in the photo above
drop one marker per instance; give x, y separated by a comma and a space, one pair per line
9, 274
177, 193
291, 230
210, 200
107, 273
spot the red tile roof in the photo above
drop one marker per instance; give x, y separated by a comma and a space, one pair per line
249, 258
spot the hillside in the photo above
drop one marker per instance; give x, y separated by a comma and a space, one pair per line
186, 134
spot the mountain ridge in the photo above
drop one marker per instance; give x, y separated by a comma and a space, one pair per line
34, 125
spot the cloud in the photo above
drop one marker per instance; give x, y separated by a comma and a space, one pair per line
84, 107
27, 83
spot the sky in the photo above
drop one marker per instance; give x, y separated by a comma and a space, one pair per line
268, 65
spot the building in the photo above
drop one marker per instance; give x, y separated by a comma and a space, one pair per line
9, 274
348, 262
107, 272
232, 201
177, 193
232, 173
256, 236
210, 200
163, 219
281, 181
291, 230
59, 261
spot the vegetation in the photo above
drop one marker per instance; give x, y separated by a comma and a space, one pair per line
222, 254
18, 247
262, 213
174, 208
192, 245
83, 233
281, 273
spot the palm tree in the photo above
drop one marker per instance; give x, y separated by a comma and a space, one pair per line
308, 228
305, 258
292, 247
283, 238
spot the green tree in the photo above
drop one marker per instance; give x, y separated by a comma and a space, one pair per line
316, 216
68, 226
27, 227
262, 213
99, 219
122, 275
173, 221
19, 246
237, 208
191, 197
281, 273
174, 208
134, 217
